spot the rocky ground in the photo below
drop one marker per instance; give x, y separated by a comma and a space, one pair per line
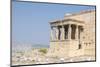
38, 56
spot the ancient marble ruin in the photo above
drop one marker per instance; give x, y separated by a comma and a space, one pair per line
73, 36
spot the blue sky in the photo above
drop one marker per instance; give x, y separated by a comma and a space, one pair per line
30, 21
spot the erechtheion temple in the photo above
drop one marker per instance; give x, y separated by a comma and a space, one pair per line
74, 35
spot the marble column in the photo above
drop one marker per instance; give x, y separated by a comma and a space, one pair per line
57, 32
63, 33
69, 31
54, 33
76, 33
51, 34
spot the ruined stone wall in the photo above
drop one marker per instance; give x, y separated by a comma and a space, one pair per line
88, 35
